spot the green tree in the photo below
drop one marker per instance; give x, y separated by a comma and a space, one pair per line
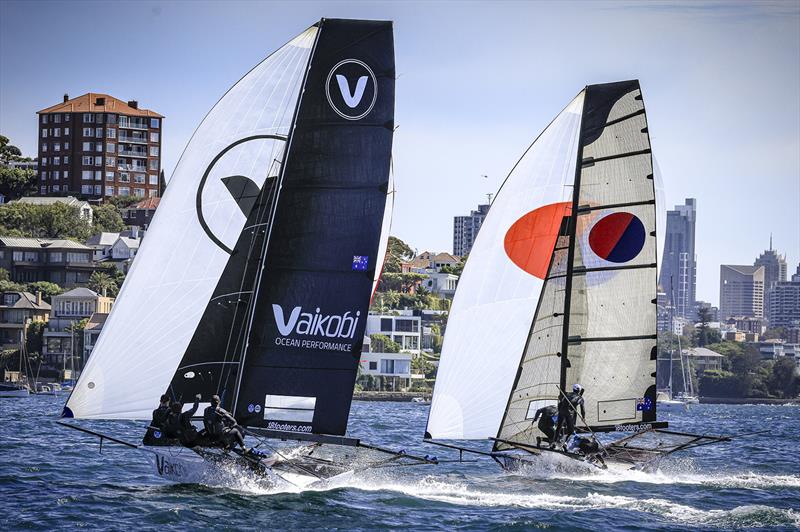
11, 286
775, 333
380, 343
14, 182
400, 282
107, 218
783, 380
4, 275
121, 202
34, 337
397, 252
44, 221
47, 289
102, 283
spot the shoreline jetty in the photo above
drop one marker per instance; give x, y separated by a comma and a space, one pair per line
398, 397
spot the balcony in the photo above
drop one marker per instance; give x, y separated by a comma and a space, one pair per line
133, 153
131, 168
135, 140
127, 124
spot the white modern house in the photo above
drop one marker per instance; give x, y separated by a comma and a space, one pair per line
386, 371
401, 326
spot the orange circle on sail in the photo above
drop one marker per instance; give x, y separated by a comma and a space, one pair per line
530, 241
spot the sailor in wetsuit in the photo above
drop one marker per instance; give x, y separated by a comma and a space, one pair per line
179, 424
157, 424
546, 416
221, 426
568, 412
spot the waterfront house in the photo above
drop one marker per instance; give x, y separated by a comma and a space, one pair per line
68, 309
403, 327
59, 261
17, 309
385, 371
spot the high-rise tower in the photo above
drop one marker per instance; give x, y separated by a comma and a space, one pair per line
679, 262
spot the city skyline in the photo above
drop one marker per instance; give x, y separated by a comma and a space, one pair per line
702, 67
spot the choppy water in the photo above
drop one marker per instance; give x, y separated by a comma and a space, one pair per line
54, 478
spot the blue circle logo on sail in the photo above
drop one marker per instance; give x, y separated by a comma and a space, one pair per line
618, 237
351, 89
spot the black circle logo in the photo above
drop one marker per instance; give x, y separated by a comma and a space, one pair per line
351, 89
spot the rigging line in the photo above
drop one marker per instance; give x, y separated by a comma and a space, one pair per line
278, 184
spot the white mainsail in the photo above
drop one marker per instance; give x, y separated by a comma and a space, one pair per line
496, 299
186, 248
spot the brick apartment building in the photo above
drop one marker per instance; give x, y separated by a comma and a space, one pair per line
96, 146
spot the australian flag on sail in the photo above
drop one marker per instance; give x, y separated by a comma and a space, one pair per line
644, 404
360, 263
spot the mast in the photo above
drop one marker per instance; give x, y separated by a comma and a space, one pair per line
571, 232
273, 210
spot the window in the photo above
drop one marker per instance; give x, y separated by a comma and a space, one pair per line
153, 179
43, 175
77, 257
373, 365
98, 132
44, 119
138, 178
88, 132
138, 192
56, 160
66, 159
124, 191
109, 191
86, 146
153, 164
98, 175
111, 161
152, 193
154, 123
57, 131
66, 175
99, 118
87, 160
153, 137
98, 189
386, 324
56, 175
406, 325
387, 366
98, 146
44, 133
66, 131
111, 133
111, 119
56, 147
43, 190
86, 189
88, 118
87, 175
56, 256
67, 117
44, 161
57, 119
124, 177
109, 176
110, 147
44, 147
18, 256
66, 146
56, 188
98, 161
153, 151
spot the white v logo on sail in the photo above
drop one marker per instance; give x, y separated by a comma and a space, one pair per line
352, 100
285, 327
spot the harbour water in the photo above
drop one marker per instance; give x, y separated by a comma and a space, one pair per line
53, 478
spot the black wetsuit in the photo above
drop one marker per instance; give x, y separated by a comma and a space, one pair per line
221, 427
546, 425
568, 413
156, 424
179, 425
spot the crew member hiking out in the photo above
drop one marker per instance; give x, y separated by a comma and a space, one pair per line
179, 424
547, 416
568, 412
221, 426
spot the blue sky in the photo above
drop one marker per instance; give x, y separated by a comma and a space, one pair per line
477, 82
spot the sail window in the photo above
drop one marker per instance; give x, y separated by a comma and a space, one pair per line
289, 408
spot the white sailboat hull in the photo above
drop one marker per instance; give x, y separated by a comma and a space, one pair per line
185, 466
14, 392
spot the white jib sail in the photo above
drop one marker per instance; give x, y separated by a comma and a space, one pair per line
180, 260
496, 299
